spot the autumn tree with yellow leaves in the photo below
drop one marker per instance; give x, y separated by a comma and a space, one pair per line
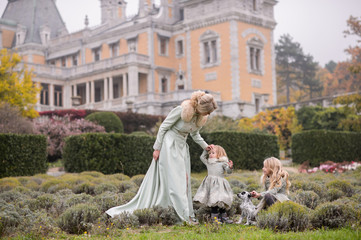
281, 122
16, 86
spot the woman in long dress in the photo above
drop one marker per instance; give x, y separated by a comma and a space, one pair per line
167, 181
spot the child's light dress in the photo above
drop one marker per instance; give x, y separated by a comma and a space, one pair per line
215, 190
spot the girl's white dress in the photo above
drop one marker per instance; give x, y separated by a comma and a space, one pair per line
215, 190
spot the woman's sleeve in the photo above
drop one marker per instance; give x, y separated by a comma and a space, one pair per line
198, 139
204, 157
168, 122
275, 189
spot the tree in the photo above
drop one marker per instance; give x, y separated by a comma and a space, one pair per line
352, 106
288, 57
309, 80
354, 25
330, 66
281, 122
16, 87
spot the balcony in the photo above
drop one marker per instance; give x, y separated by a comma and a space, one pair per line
86, 69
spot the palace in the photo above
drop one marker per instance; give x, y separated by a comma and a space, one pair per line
152, 61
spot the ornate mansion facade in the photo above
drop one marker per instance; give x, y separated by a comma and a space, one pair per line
152, 61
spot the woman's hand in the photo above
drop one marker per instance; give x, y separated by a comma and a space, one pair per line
255, 194
156, 155
209, 147
230, 164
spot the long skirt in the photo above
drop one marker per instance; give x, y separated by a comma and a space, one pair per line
167, 181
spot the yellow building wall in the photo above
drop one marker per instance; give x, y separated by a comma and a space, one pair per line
142, 47
223, 83
38, 59
88, 55
123, 46
7, 38
105, 52
245, 77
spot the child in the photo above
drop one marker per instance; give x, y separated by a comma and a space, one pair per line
275, 182
215, 191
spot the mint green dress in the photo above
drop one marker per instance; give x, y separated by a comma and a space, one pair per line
167, 181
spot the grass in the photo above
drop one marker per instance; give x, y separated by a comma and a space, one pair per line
207, 232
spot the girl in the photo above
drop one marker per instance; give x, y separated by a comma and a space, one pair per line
275, 182
215, 191
166, 182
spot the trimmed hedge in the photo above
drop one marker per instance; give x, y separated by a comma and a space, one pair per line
246, 150
22, 155
108, 153
318, 146
132, 155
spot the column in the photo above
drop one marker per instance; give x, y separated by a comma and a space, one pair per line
124, 76
111, 88
133, 81
51, 95
106, 90
92, 91
87, 92
75, 90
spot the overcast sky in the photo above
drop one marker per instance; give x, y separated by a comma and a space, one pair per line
316, 24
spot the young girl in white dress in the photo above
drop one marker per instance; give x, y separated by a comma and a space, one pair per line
275, 183
215, 191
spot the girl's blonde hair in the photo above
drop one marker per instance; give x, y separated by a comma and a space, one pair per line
220, 151
277, 173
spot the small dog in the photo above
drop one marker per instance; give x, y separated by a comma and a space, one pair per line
247, 207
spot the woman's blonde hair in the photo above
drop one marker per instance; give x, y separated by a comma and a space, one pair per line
277, 173
199, 102
203, 102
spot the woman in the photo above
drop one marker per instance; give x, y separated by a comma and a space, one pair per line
167, 182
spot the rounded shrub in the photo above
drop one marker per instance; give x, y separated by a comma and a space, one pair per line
333, 215
110, 121
138, 179
146, 216
79, 218
105, 187
286, 216
334, 194
308, 198
9, 217
342, 185
108, 200
125, 220
167, 216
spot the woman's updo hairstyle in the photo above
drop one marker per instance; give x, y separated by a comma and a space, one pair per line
200, 102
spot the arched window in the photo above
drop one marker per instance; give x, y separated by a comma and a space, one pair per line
210, 49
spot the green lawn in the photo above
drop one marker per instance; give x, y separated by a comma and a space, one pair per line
208, 232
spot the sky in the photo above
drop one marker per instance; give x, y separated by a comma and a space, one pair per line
317, 25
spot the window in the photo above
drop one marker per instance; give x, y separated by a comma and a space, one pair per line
44, 94
181, 14
255, 56
132, 44
96, 54
63, 61
254, 5
164, 85
180, 47
210, 49
58, 96
163, 45
114, 49
257, 105
75, 60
